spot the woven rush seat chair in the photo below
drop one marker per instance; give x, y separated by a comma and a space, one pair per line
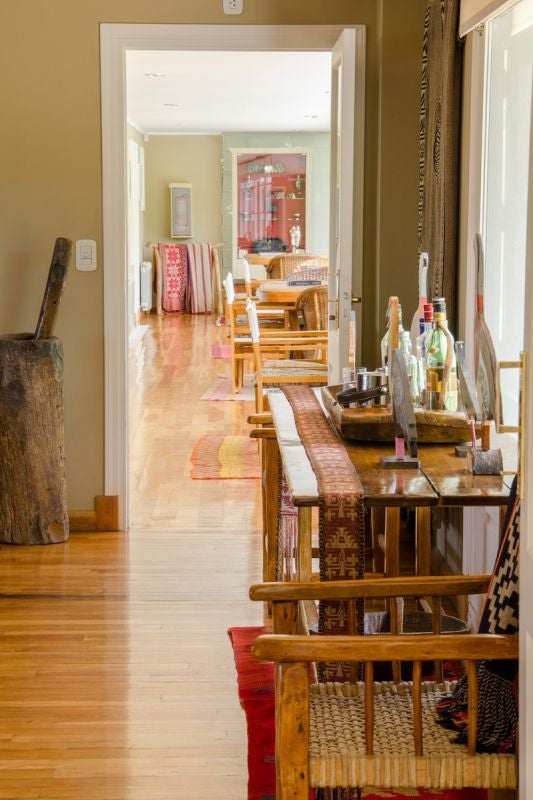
273, 365
375, 734
310, 273
281, 267
239, 332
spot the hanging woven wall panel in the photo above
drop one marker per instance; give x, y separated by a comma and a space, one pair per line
440, 106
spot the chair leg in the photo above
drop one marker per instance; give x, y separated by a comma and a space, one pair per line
292, 732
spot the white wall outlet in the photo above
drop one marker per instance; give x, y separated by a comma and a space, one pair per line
232, 6
86, 255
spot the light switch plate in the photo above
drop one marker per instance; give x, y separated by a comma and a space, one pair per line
86, 255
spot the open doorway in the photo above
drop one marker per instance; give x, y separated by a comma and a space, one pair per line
116, 41
252, 152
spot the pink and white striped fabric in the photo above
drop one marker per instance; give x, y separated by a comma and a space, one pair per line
199, 290
174, 276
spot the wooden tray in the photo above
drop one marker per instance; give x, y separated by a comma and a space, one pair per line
375, 423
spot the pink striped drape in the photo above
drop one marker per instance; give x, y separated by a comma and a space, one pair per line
199, 290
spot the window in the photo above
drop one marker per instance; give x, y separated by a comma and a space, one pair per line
509, 58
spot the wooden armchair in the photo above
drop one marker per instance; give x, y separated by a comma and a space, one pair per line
369, 734
273, 365
280, 267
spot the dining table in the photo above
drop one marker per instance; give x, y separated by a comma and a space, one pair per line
442, 480
283, 296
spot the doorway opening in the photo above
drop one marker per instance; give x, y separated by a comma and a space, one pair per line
117, 40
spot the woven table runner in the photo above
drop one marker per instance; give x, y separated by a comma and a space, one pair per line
341, 518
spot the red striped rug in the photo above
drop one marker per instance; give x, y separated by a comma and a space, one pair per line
219, 457
255, 685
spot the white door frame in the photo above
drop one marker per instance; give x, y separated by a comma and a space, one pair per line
115, 40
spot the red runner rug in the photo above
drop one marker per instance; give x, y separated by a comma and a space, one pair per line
255, 682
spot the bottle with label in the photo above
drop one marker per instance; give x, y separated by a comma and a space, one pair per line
410, 364
440, 361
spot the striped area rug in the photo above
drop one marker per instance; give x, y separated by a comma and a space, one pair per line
220, 351
219, 457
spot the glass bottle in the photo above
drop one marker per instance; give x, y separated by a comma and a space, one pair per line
436, 352
386, 338
410, 364
426, 325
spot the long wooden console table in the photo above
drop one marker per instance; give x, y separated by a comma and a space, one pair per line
442, 480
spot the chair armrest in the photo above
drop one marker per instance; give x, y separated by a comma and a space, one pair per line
423, 647
431, 586
260, 419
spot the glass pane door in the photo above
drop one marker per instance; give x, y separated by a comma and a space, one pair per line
271, 192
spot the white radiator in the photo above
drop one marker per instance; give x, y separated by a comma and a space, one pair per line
146, 286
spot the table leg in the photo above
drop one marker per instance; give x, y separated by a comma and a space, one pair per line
392, 570
377, 524
270, 522
304, 545
423, 540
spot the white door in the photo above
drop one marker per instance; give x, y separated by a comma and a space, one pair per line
346, 235
526, 519
134, 250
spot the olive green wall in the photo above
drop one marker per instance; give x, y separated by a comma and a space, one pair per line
183, 159
51, 184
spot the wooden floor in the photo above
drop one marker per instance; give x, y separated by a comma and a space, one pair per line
116, 674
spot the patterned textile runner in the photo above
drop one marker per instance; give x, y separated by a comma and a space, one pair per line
341, 517
199, 292
174, 276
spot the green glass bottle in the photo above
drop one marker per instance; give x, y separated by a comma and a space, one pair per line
440, 339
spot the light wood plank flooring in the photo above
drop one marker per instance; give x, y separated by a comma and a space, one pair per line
116, 675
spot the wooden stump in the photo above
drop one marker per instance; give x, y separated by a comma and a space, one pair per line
33, 507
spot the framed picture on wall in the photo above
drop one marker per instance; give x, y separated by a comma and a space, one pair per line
180, 210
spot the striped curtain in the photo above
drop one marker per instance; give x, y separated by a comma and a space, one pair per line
199, 290
442, 60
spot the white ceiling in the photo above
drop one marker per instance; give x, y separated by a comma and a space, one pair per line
211, 92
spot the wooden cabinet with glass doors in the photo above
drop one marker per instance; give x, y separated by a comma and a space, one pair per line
271, 195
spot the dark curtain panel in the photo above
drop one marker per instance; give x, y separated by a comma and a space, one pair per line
442, 61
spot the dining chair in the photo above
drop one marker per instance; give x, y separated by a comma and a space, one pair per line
272, 357
282, 266
239, 330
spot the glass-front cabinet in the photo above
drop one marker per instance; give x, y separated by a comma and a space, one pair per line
271, 202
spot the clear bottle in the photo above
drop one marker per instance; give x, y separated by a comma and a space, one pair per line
386, 338
436, 353
426, 326
410, 364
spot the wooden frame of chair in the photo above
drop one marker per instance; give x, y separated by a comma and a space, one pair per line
280, 345
239, 333
293, 654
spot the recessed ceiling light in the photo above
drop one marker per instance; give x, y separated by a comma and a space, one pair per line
155, 74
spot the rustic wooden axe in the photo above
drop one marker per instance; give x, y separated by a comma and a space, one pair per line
54, 289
